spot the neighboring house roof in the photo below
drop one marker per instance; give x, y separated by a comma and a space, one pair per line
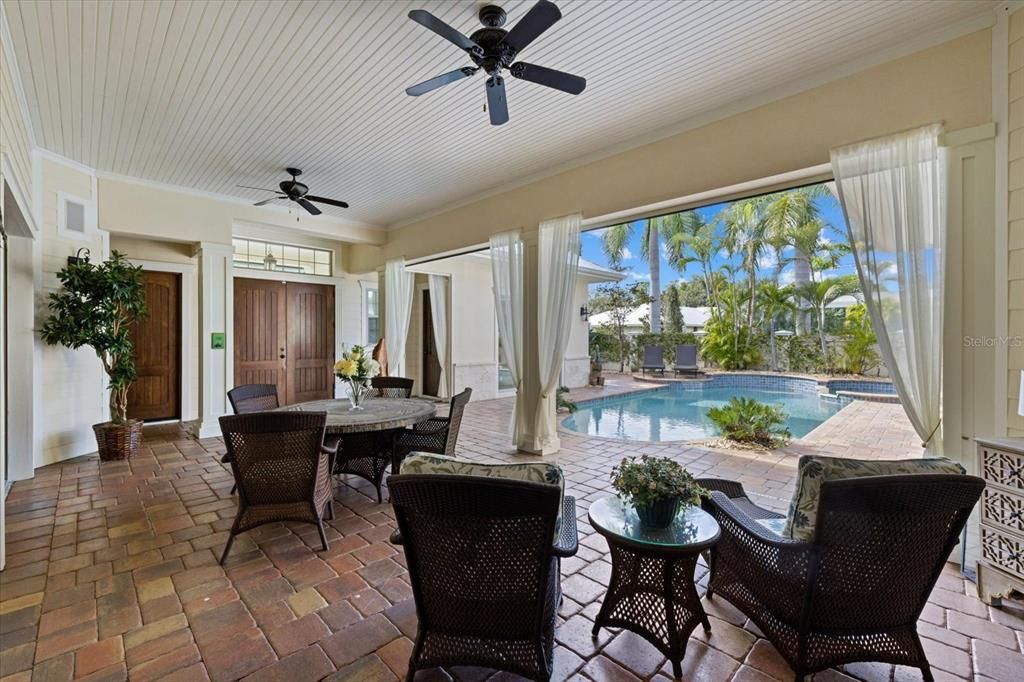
595, 273
845, 301
692, 317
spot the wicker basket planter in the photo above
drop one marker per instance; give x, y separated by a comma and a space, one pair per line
118, 441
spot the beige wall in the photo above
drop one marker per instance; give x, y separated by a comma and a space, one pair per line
1015, 271
166, 213
70, 385
950, 83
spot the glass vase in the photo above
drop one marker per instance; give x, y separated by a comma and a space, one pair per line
358, 391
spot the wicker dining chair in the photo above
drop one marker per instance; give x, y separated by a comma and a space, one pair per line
483, 568
437, 434
282, 469
249, 398
391, 387
854, 592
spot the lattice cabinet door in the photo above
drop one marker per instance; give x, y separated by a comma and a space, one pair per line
1001, 567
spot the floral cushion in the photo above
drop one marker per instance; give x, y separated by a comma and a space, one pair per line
534, 472
813, 470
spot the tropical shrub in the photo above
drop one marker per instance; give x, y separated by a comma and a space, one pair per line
731, 347
652, 479
746, 420
858, 353
562, 401
803, 354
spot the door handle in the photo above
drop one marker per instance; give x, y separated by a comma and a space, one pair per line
282, 355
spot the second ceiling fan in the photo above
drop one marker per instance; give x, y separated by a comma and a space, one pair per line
493, 49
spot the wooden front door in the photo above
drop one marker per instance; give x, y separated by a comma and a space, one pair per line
284, 335
156, 393
260, 341
310, 342
431, 363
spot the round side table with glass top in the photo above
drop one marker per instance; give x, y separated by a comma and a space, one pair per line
652, 591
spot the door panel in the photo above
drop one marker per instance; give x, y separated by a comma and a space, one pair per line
260, 334
431, 363
156, 393
310, 342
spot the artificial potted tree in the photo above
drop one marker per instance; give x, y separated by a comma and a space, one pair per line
97, 306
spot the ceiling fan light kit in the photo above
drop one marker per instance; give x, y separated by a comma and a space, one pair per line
493, 50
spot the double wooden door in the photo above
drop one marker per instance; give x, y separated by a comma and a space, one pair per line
156, 393
284, 335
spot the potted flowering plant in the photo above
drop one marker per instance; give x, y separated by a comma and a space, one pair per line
656, 486
357, 368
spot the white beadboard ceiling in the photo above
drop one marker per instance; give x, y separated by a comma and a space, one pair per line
209, 95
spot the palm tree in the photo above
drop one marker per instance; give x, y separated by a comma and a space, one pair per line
616, 237
746, 235
696, 236
821, 294
786, 214
774, 301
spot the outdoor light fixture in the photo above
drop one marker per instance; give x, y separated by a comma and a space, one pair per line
584, 313
79, 258
269, 262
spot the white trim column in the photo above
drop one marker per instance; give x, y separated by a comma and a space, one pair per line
216, 315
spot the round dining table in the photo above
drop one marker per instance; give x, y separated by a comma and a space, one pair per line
377, 414
366, 436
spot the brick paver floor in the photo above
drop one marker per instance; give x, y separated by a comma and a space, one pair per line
112, 573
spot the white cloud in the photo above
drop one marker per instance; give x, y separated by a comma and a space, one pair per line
626, 253
598, 233
786, 277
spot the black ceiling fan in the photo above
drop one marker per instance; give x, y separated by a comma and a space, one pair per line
293, 190
492, 49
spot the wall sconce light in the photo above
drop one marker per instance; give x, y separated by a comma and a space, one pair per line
269, 262
584, 313
81, 257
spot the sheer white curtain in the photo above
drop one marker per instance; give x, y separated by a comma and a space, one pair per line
507, 277
893, 193
397, 311
438, 287
557, 265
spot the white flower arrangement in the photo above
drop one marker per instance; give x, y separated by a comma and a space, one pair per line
356, 366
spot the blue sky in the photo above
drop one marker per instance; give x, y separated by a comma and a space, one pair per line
638, 269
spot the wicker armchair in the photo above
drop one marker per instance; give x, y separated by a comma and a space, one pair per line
391, 387
855, 592
483, 568
249, 398
282, 469
437, 434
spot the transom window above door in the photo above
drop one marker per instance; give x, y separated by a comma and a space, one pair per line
255, 254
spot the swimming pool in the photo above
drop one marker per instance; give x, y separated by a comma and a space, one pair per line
673, 413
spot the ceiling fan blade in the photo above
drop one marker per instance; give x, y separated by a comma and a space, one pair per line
437, 81
329, 202
308, 206
559, 80
267, 201
428, 20
497, 106
261, 189
540, 18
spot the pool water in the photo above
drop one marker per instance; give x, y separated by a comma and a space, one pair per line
669, 414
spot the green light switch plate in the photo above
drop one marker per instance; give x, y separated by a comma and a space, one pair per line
217, 340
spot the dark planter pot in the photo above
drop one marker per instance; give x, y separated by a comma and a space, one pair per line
118, 441
658, 514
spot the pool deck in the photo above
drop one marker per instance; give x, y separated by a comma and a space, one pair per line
112, 572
